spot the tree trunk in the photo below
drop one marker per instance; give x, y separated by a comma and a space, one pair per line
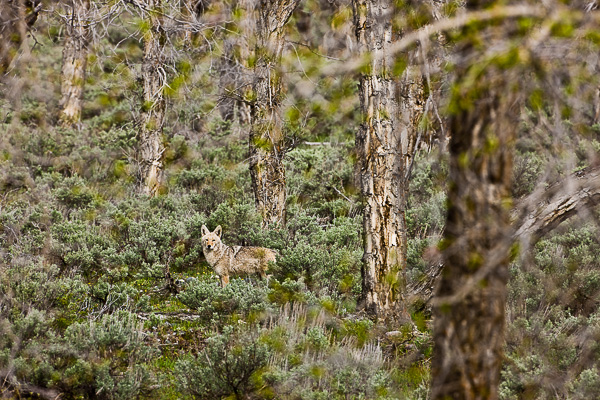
74, 62
266, 135
16, 16
469, 308
385, 145
235, 80
151, 147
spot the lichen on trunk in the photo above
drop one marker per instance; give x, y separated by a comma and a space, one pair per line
267, 147
74, 61
151, 147
385, 144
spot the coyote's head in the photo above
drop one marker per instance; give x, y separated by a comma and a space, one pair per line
211, 240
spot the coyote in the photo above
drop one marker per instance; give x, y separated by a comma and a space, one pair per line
226, 260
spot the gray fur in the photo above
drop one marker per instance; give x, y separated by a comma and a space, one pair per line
234, 260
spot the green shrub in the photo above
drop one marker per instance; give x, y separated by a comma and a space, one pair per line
528, 166
326, 257
289, 291
14, 177
113, 351
426, 203
43, 287
212, 301
324, 172
552, 304
73, 193
586, 385
230, 365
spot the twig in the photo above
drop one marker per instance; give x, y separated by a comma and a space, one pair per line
342, 194
314, 52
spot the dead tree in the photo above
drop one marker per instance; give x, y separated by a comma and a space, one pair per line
544, 211
267, 147
74, 62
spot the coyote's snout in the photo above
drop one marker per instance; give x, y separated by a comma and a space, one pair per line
234, 260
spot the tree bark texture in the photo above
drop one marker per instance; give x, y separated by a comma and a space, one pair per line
470, 299
385, 145
266, 134
16, 17
74, 61
151, 147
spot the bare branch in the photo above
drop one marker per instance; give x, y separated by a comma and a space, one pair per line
538, 214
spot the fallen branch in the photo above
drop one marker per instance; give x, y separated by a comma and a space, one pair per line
535, 216
541, 213
182, 315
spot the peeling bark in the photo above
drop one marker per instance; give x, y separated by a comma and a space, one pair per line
385, 145
267, 146
74, 62
151, 147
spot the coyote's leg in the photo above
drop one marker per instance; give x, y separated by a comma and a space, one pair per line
224, 280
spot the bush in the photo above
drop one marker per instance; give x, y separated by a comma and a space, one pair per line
212, 301
73, 193
552, 304
113, 352
230, 365
309, 361
324, 172
105, 359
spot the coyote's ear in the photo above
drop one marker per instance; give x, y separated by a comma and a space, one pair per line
218, 231
204, 230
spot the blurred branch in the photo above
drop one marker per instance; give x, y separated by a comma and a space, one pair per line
538, 214
542, 212
424, 34
463, 19
312, 50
